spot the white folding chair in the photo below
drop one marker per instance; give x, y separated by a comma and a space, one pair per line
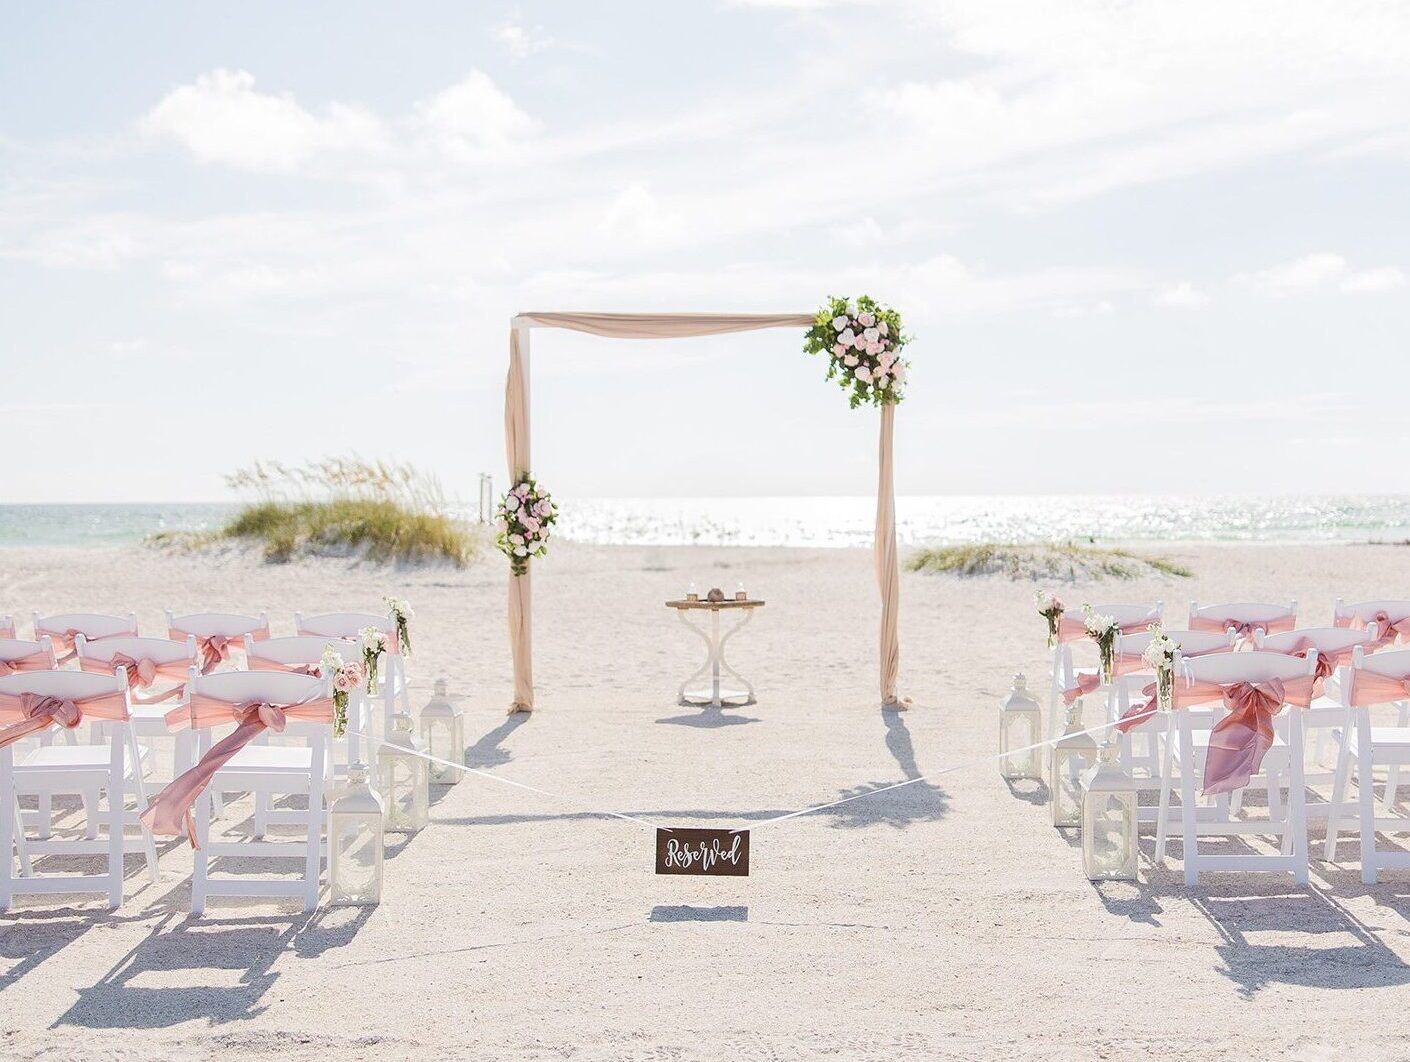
1390, 615
70, 770
19, 655
1243, 618
303, 654
217, 633
1143, 769
1065, 672
62, 627
1188, 753
271, 770
392, 666
1380, 678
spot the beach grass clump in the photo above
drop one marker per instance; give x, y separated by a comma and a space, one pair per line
1065, 561
346, 507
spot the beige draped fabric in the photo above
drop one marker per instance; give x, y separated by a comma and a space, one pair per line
674, 326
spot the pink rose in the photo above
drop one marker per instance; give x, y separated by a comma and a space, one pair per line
531, 525
850, 360
863, 373
838, 349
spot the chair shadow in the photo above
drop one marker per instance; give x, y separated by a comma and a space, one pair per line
709, 718
179, 952
38, 939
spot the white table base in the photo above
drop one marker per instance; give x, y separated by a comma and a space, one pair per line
716, 693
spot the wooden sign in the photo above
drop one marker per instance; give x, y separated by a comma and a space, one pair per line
713, 853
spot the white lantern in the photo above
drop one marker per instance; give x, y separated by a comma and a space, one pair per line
1072, 754
404, 778
443, 733
1109, 848
1020, 723
355, 842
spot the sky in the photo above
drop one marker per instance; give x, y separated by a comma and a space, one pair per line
1142, 247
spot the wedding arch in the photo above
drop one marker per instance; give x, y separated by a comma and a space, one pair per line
676, 326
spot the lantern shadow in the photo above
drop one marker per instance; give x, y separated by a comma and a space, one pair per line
35, 937
1030, 790
178, 953
486, 752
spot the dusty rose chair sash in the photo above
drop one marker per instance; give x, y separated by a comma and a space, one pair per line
1243, 631
32, 662
62, 640
169, 815
1126, 664
1239, 741
142, 674
1074, 629
1327, 662
1386, 631
213, 650
263, 663
23, 714
1369, 688
7, 632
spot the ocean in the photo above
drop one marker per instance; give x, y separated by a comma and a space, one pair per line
832, 522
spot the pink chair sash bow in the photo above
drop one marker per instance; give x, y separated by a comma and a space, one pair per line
62, 640
214, 649
1070, 628
28, 713
1387, 631
33, 662
169, 815
1239, 741
142, 674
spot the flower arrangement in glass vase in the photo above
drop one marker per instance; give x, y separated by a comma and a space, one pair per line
863, 342
1102, 630
346, 678
1050, 607
373, 643
400, 609
1160, 655
523, 519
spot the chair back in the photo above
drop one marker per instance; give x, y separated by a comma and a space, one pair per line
343, 624
301, 649
158, 650
70, 685
1196, 643
222, 624
1243, 613
1393, 663
1256, 666
271, 687
89, 624
1364, 613
1125, 615
12, 649
1328, 641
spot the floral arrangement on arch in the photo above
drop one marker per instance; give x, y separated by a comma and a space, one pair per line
523, 519
863, 342
346, 678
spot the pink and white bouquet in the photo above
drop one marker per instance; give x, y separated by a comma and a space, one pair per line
1102, 630
523, 519
1160, 653
863, 342
346, 678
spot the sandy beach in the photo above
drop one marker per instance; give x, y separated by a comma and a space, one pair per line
943, 920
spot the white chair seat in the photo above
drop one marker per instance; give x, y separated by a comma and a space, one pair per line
1200, 739
94, 758
1392, 744
264, 759
152, 713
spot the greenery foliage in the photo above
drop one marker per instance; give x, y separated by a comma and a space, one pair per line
1051, 561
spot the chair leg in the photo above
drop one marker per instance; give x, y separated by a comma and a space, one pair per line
1329, 853
1188, 810
139, 794
1392, 784
10, 828
201, 864
313, 854
117, 813
46, 817
1296, 824
1366, 798
21, 849
1162, 825
92, 803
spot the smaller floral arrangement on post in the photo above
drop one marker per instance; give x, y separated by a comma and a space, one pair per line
373, 644
863, 342
400, 609
1050, 607
523, 520
1103, 631
1160, 655
346, 678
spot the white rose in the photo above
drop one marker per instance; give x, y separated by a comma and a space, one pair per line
839, 323
847, 337
881, 327
863, 373
512, 502
872, 335
520, 551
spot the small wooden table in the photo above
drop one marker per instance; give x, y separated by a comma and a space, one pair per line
715, 694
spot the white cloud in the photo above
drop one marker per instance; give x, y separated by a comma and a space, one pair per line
221, 118
1387, 278
637, 215
523, 41
1183, 294
1309, 271
473, 118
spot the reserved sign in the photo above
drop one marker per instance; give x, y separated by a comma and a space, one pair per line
714, 853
